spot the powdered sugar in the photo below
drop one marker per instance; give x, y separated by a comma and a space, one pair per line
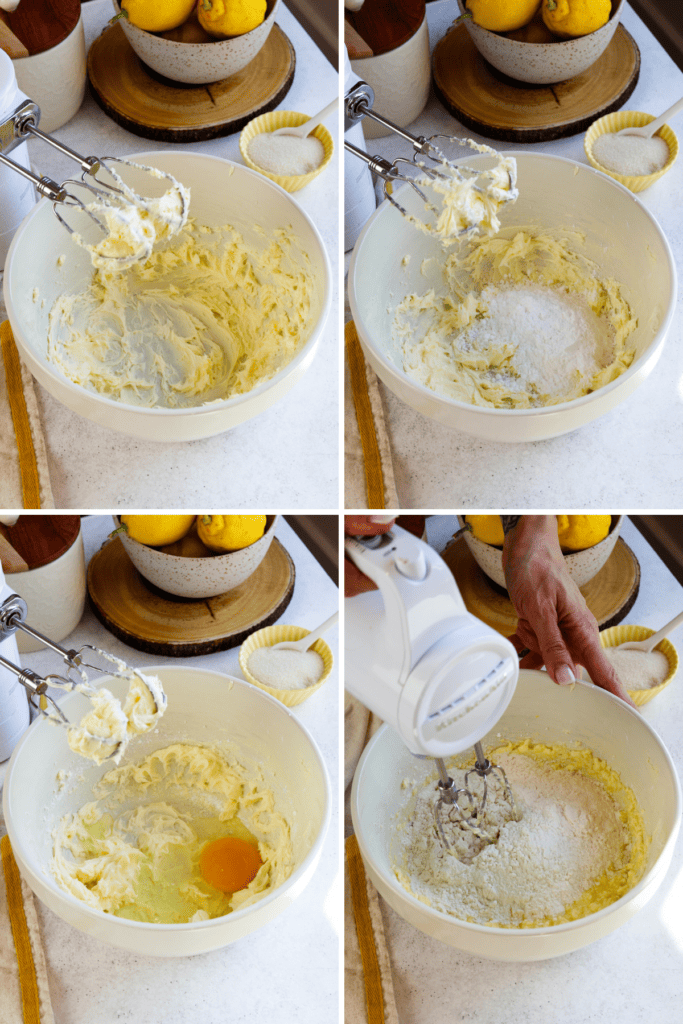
569, 854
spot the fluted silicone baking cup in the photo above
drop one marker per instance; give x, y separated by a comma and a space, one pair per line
616, 635
283, 119
274, 635
629, 119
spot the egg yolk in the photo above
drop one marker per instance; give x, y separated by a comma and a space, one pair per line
229, 864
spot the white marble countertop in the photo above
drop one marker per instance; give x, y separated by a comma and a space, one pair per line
632, 975
437, 467
288, 456
287, 970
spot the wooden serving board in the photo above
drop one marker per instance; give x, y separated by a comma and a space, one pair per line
150, 620
497, 107
610, 595
139, 99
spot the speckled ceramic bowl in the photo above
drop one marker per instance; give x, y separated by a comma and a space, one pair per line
620, 634
271, 122
543, 63
198, 63
198, 577
274, 635
628, 119
582, 565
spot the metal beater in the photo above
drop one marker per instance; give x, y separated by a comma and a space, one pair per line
448, 806
437, 675
23, 123
13, 613
359, 104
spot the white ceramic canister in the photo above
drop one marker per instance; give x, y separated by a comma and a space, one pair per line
400, 80
359, 193
55, 78
14, 710
16, 192
54, 594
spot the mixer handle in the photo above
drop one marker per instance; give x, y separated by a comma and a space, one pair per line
408, 573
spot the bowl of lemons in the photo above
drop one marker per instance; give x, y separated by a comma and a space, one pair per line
541, 41
196, 556
196, 41
586, 542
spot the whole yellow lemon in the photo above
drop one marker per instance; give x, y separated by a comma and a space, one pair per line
225, 18
502, 15
157, 15
230, 533
571, 18
488, 529
575, 533
155, 531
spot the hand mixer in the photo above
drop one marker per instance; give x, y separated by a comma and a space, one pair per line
436, 674
358, 103
13, 611
22, 124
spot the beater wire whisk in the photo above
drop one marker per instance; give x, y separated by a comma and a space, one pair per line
23, 123
12, 617
458, 805
358, 104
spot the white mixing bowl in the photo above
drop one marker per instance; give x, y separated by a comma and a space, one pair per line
203, 707
221, 193
622, 237
547, 713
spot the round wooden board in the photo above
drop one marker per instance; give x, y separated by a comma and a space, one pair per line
139, 99
610, 595
150, 620
487, 101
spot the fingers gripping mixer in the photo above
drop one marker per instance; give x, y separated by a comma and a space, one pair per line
419, 660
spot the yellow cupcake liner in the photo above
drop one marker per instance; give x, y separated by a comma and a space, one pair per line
629, 119
282, 119
616, 635
274, 635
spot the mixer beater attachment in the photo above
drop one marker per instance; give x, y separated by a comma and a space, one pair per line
23, 123
12, 617
458, 805
358, 104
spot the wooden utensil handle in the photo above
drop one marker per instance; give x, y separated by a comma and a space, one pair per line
10, 43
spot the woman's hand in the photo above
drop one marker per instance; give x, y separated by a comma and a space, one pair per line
555, 623
356, 582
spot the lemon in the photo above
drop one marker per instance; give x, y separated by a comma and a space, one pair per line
157, 15
188, 546
155, 531
502, 15
230, 533
230, 17
578, 532
570, 18
488, 529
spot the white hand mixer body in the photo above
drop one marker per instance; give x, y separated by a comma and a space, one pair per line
419, 660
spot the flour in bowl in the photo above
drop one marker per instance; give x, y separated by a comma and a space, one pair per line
522, 322
579, 844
